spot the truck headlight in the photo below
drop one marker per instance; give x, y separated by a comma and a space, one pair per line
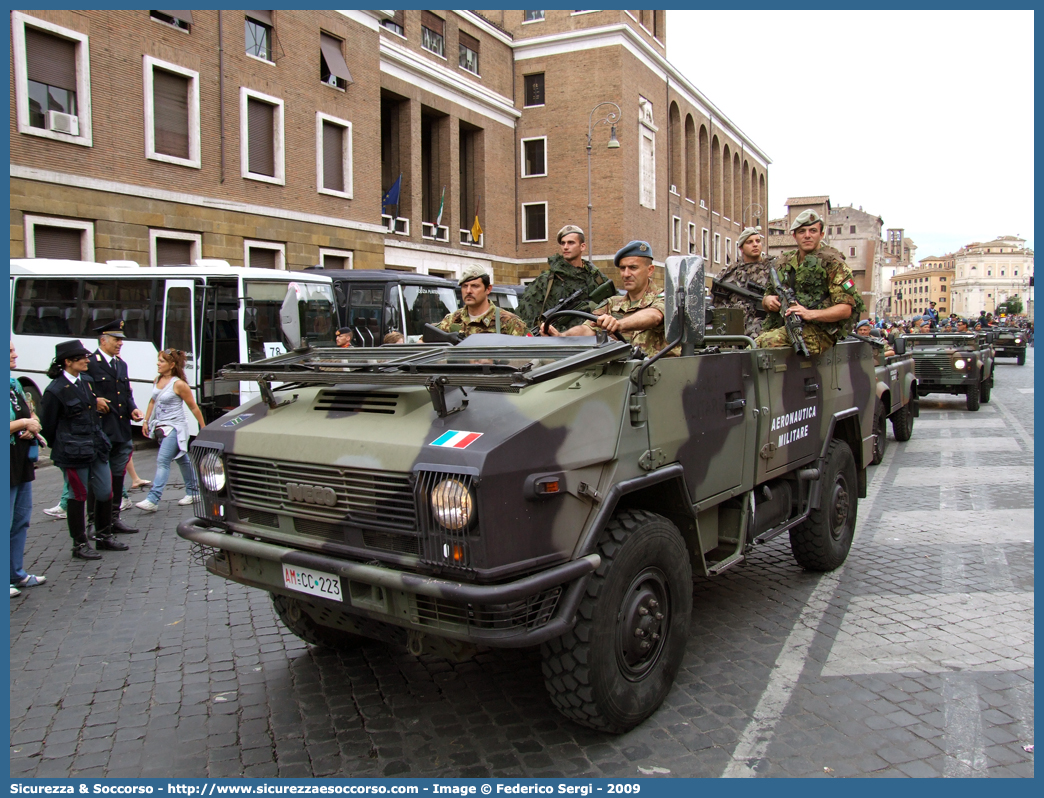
959, 364
452, 504
212, 472
1018, 340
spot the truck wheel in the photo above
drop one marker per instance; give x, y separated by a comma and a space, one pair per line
301, 624
984, 390
972, 395
823, 541
1020, 358
880, 435
903, 421
615, 667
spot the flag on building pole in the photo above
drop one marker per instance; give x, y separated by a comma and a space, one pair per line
476, 229
392, 197
442, 201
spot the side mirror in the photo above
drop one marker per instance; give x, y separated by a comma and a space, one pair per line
684, 301
290, 317
250, 320
899, 346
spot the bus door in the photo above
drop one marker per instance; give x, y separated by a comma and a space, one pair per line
179, 320
217, 313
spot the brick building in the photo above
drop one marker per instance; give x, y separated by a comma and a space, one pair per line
270, 138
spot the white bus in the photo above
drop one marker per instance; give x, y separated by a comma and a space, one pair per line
215, 312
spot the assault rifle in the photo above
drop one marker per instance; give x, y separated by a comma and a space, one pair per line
723, 286
793, 323
576, 301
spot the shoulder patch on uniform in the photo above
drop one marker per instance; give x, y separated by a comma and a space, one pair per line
848, 285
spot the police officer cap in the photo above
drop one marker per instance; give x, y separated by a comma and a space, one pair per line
747, 233
474, 273
113, 328
640, 249
568, 230
69, 350
805, 218
344, 330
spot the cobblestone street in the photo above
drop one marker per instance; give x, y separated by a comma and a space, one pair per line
915, 659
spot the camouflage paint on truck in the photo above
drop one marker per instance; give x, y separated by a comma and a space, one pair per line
955, 363
1010, 342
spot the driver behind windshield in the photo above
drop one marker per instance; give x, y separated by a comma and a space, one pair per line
638, 316
479, 315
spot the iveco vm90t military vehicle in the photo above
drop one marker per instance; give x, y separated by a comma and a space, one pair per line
511, 492
954, 363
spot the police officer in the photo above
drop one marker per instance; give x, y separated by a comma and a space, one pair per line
479, 315
827, 300
638, 316
933, 314
116, 405
751, 268
566, 272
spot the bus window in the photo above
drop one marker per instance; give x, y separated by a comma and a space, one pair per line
134, 306
177, 331
316, 310
426, 305
365, 308
44, 307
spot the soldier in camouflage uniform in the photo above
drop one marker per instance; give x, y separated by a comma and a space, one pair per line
566, 273
827, 300
479, 315
638, 316
749, 271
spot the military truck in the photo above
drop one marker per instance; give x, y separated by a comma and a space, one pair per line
1010, 342
953, 363
523, 491
897, 397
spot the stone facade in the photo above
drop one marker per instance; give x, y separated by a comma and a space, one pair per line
914, 287
991, 272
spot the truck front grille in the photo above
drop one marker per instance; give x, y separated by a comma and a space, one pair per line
531, 613
935, 366
361, 498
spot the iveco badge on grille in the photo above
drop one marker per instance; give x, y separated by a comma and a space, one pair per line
311, 494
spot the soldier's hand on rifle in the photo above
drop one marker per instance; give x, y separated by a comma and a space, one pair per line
770, 303
800, 311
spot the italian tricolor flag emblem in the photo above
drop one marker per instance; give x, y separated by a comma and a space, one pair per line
848, 285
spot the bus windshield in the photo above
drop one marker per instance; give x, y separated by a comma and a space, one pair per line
426, 304
316, 311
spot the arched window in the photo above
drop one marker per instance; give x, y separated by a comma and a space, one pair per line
677, 172
691, 169
704, 165
725, 206
738, 197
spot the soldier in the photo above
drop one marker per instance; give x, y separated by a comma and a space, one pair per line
749, 272
479, 315
827, 300
344, 337
933, 314
962, 325
115, 401
638, 316
566, 273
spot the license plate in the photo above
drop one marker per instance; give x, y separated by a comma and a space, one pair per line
314, 583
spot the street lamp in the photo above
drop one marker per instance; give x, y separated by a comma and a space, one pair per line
756, 215
611, 118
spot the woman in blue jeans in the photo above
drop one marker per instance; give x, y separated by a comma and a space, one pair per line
25, 431
165, 421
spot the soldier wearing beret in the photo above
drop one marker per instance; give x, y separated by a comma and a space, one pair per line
638, 316
827, 300
566, 273
749, 272
115, 401
344, 337
479, 315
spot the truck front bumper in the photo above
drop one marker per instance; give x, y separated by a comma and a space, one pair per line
522, 613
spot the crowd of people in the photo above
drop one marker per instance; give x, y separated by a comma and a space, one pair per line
931, 322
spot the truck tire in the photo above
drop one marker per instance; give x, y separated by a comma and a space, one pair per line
903, 421
972, 395
301, 624
822, 542
984, 390
1020, 358
602, 674
880, 435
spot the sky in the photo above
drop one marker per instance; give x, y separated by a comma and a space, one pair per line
924, 118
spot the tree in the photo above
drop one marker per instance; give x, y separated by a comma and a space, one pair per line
1014, 304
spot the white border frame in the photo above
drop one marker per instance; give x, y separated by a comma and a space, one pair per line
31, 220
525, 239
244, 144
676, 233
543, 104
477, 54
177, 235
348, 254
522, 155
533, 21
692, 238
21, 79
346, 156
729, 252
194, 160
644, 132
424, 49
279, 248
717, 248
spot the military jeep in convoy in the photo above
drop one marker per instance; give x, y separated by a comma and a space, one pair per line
953, 363
1010, 342
897, 397
513, 492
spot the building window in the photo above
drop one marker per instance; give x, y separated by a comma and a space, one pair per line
261, 137
851, 252
333, 148
989, 272
264, 254
333, 71
433, 31
174, 248
943, 279
469, 51
705, 243
534, 157
647, 168
717, 247
66, 239
171, 113
1002, 272
336, 258
534, 89
676, 229
851, 229
532, 16
397, 24
1016, 273
182, 20
52, 80
692, 238
259, 35
728, 251
534, 221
